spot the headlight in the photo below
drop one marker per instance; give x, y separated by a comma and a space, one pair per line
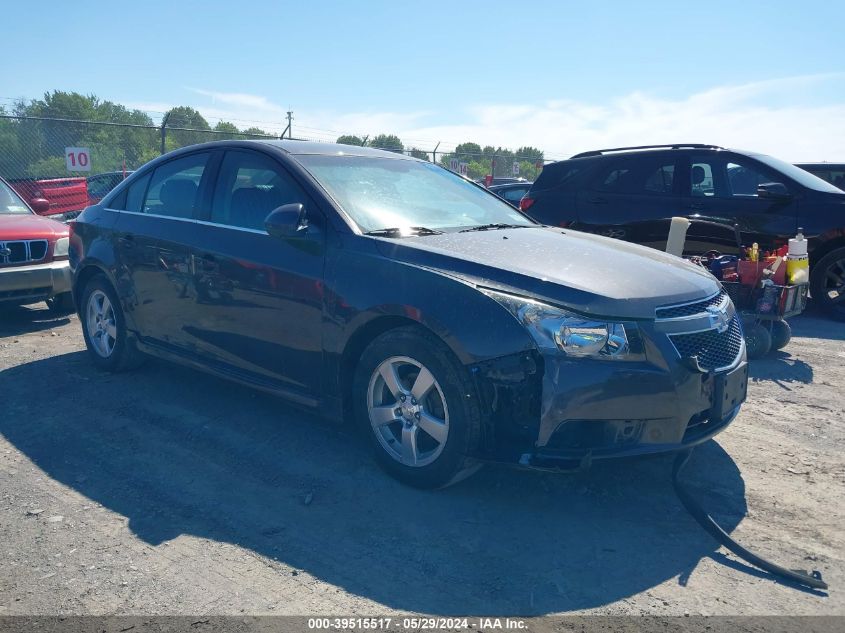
556, 329
60, 249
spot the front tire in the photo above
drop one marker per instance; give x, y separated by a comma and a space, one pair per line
416, 402
104, 328
827, 283
758, 341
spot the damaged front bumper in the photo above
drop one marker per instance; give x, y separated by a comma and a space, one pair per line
552, 412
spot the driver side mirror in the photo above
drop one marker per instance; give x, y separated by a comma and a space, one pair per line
773, 191
40, 205
286, 221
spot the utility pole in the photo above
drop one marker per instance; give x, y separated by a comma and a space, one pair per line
434, 153
290, 122
164, 131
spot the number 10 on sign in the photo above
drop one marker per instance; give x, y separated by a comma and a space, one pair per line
77, 159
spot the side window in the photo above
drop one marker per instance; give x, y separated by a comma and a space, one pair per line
249, 187
662, 180
644, 175
743, 179
174, 187
701, 179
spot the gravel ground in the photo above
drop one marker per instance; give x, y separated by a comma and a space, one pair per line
167, 491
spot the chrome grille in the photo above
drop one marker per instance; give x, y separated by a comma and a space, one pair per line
689, 309
22, 251
714, 350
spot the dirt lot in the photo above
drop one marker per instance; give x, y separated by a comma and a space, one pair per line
168, 491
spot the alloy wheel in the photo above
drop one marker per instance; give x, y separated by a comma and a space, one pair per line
408, 411
101, 323
834, 284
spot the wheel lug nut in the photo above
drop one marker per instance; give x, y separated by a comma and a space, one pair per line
397, 411
402, 398
413, 401
417, 415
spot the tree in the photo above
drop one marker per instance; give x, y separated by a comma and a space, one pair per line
228, 130
255, 131
350, 139
187, 119
418, 153
389, 142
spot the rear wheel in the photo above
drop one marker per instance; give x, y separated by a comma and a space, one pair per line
61, 303
104, 328
827, 283
416, 402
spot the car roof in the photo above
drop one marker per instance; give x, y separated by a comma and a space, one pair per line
327, 149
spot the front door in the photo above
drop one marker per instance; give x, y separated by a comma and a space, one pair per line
260, 297
723, 189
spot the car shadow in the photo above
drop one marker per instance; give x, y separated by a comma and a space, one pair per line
781, 368
179, 452
16, 320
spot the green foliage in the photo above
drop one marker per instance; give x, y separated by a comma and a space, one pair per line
350, 139
185, 117
418, 153
255, 131
228, 130
389, 142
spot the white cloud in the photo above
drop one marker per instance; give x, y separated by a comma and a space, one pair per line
783, 117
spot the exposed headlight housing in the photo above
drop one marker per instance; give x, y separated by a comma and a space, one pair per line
556, 329
61, 247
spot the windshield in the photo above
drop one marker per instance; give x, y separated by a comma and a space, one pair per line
797, 174
384, 193
10, 202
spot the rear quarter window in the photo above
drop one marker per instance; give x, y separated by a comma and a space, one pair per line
562, 175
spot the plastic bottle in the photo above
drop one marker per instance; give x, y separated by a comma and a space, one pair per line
797, 262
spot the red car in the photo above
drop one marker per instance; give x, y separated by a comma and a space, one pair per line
58, 198
33, 255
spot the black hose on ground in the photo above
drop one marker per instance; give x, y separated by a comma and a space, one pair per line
813, 579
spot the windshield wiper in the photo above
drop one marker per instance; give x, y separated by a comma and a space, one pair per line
406, 231
494, 226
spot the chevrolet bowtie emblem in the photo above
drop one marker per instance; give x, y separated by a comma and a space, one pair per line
718, 319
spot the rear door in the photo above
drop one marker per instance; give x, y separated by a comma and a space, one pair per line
723, 189
633, 197
154, 233
260, 297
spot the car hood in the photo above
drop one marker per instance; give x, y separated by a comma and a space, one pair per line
588, 273
29, 227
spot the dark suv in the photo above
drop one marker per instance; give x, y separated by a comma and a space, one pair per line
348, 279
631, 194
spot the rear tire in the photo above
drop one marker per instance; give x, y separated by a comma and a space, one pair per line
61, 304
827, 279
418, 407
758, 341
781, 334
104, 328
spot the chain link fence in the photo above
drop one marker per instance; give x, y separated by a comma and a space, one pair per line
73, 163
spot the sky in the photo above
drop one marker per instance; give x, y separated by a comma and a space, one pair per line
562, 76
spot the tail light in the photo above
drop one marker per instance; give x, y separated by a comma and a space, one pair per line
525, 203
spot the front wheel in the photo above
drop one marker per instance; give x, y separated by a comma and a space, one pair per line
104, 328
758, 341
418, 406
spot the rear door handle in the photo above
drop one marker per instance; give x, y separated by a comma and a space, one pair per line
598, 200
696, 206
